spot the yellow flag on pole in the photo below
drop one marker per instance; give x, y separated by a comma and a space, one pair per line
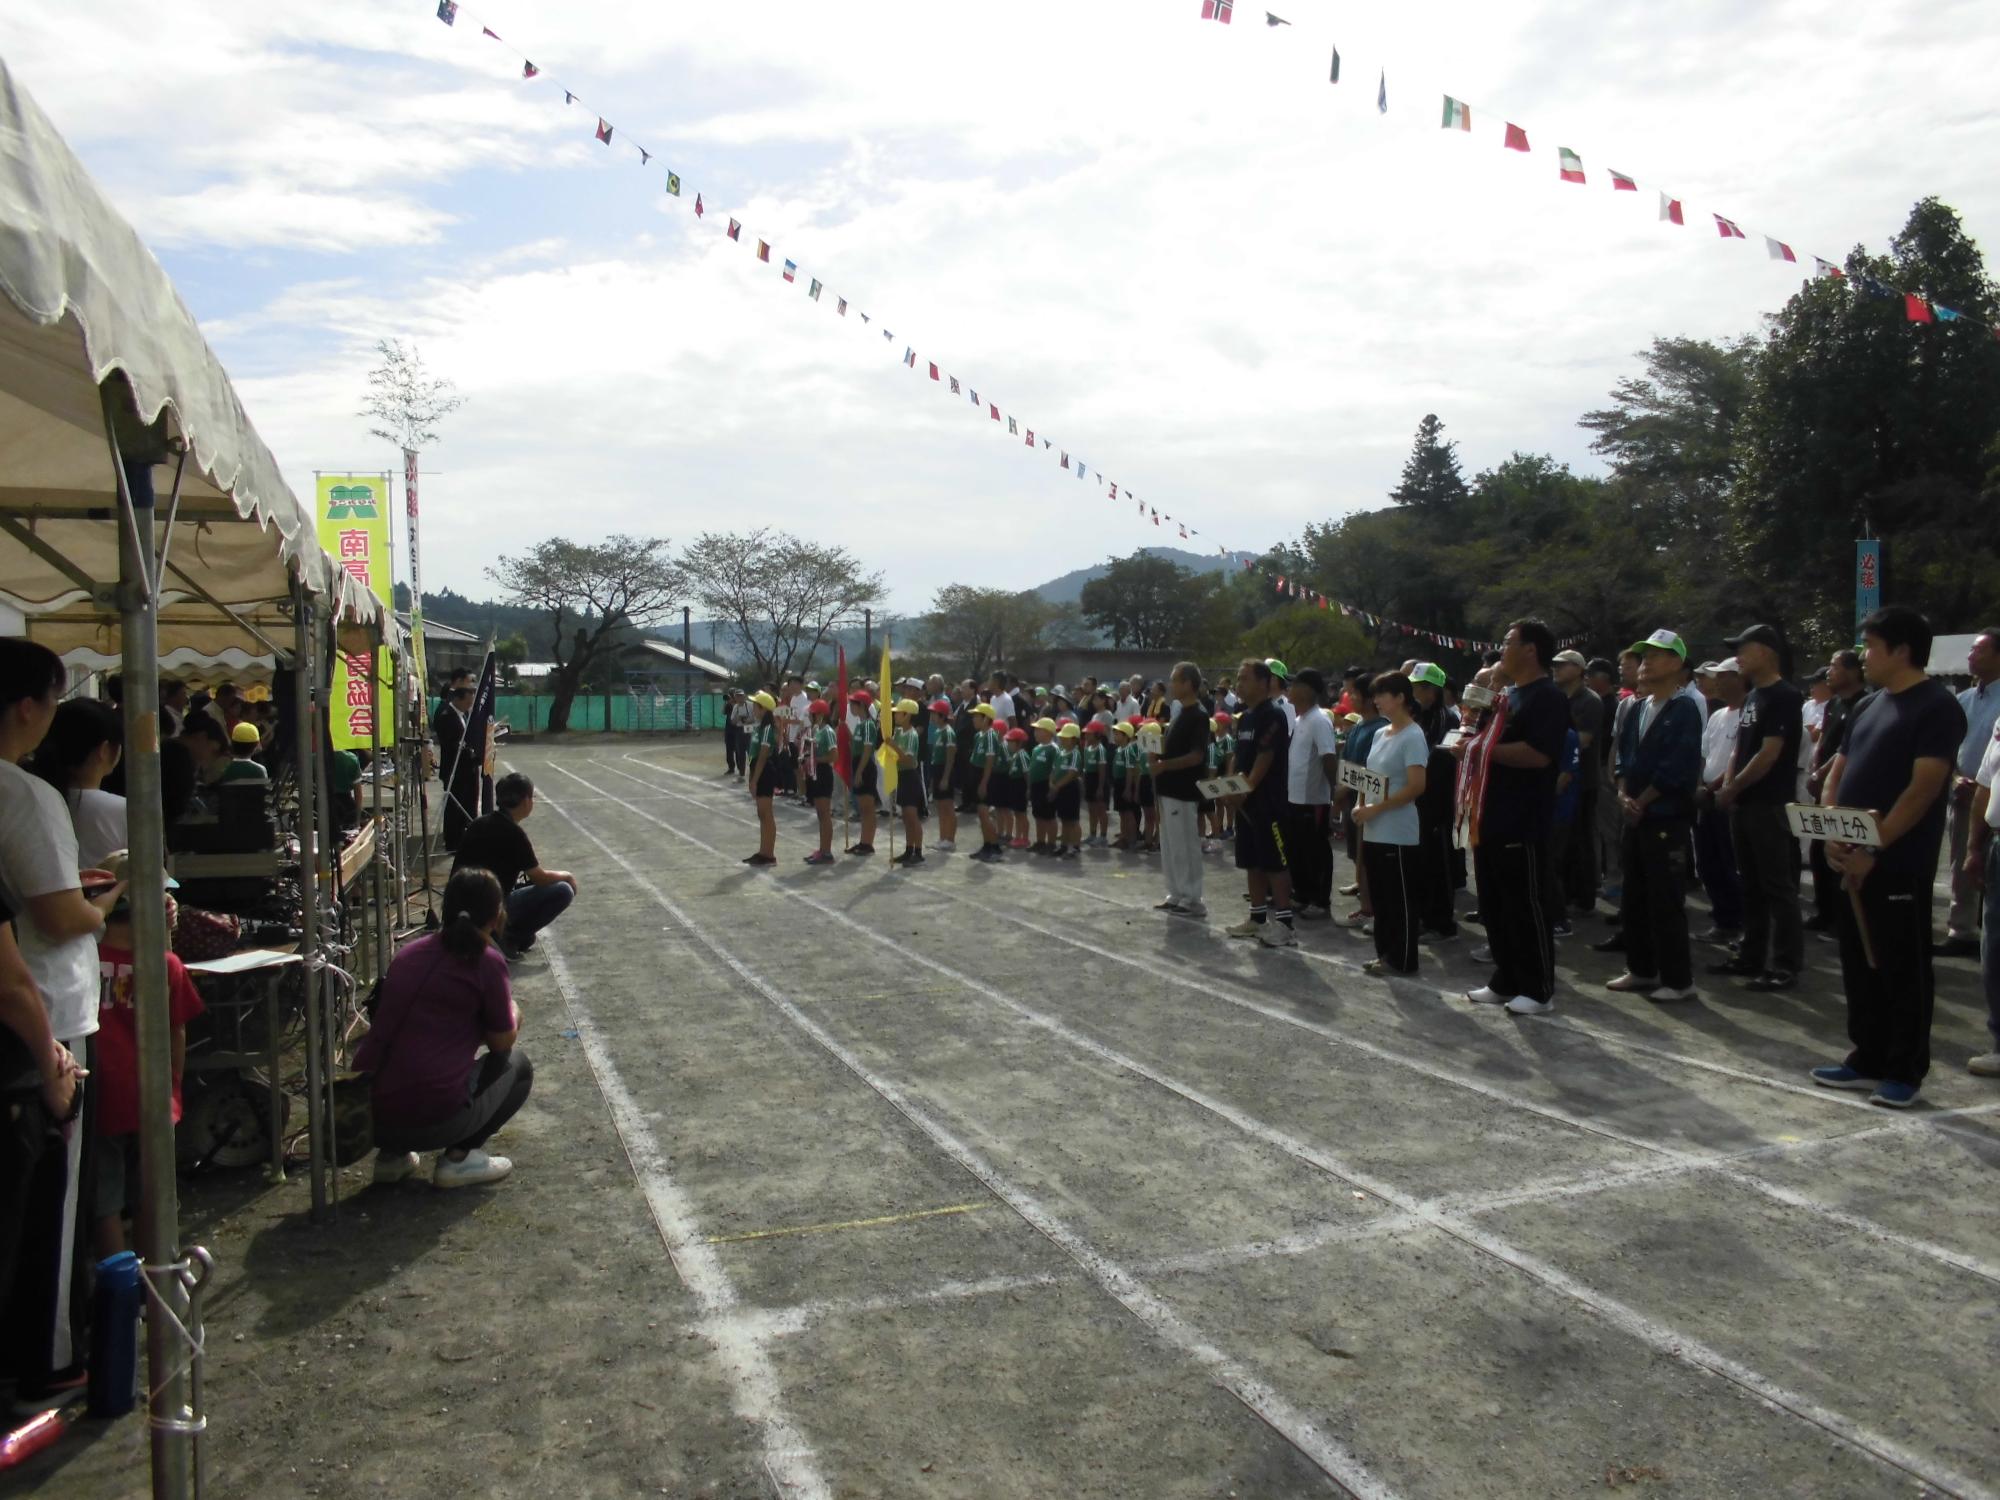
885, 754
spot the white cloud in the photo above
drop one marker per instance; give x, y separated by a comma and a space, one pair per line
1172, 247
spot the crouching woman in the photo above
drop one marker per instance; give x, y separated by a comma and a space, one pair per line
445, 996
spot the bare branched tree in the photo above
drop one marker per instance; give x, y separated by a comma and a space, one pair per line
406, 399
784, 596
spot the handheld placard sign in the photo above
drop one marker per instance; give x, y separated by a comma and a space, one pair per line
1845, 825
1476, 696
1372, 785
1223, 786
1152, 739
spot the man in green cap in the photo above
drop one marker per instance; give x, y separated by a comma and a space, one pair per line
1281, 682
1659, 768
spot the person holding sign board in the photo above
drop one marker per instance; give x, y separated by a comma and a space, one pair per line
1896, 762
1263, 753
1398, 757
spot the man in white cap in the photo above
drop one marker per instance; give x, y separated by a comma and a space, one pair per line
1714, 855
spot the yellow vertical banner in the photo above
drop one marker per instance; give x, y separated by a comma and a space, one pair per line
353, 512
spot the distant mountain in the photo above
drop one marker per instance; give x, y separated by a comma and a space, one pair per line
1068, 589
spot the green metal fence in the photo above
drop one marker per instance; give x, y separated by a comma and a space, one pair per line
529, 713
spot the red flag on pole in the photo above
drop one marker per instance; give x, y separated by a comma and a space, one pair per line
843, 742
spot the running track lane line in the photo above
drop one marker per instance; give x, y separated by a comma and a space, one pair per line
789, 1461
1351, 966
1682, 1161
1663, 1339
1322, 1448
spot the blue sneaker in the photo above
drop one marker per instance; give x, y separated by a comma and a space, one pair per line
1840, 1076
1893, 1095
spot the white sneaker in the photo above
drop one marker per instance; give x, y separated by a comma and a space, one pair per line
1313, 913
1279, 935
947, 845
1487, 995
1986, 1065
394, 1166
1482, 955
1522, 1005
477, 1167
1246, 929
1666, 994
1629, 983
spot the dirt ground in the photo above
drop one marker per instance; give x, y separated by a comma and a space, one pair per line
996, 1183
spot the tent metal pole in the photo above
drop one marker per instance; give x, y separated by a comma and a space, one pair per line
174, 1423
302, 709
377, 886
327, 845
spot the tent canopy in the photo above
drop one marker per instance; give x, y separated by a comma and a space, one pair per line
85, 307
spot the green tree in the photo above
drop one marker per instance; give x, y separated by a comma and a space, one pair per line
1431, 479
508, 654
969, 630
1304, 635
599, 592
1863, 422
1150, 602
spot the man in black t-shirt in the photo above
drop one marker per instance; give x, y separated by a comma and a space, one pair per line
1896, 762
1263, 757
1760, 782
1182, 763
1520, 900
497, 842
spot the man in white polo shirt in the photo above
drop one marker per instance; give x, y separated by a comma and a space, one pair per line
1714, 855
1981, 871
1310, 768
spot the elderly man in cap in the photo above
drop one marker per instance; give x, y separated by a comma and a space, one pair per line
1659, 770
1845, 688
1759, 784
1575, 849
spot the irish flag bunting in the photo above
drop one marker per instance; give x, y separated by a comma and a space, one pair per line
1620, 183
1571, 164
1517, 138
1457, 114
1670, 210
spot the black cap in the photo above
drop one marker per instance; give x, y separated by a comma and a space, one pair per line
1763, 635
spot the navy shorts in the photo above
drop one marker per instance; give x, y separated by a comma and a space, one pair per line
1145, 791
910, 790
822, 786
1038, 798
1017, 793
864, 779
1069, 802
1260, 842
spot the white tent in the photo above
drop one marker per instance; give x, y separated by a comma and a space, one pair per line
108, 391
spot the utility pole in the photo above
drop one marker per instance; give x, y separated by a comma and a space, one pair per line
867, 633
687, 666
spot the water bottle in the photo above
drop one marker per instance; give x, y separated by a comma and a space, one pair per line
114, 1335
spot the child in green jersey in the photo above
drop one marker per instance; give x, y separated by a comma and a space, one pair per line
826, 751
1066, 788
944, 771
989, 781
908, 745
863, 741
1096, 784
1041, 766
1124, 793
1017, 786
764, 778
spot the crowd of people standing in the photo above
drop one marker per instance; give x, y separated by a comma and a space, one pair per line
1551, 786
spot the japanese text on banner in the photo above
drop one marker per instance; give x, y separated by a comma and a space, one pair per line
354, 529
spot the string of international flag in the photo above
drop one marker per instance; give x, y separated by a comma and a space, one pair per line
1456, 115
1292, 588
1016, 426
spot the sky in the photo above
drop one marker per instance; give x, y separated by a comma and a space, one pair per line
1175, 248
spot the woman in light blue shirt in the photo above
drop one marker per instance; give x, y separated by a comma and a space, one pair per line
1399, 753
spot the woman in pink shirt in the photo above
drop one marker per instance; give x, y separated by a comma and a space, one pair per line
445, 996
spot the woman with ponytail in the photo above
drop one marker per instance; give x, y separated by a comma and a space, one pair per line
446, 995
84, 744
